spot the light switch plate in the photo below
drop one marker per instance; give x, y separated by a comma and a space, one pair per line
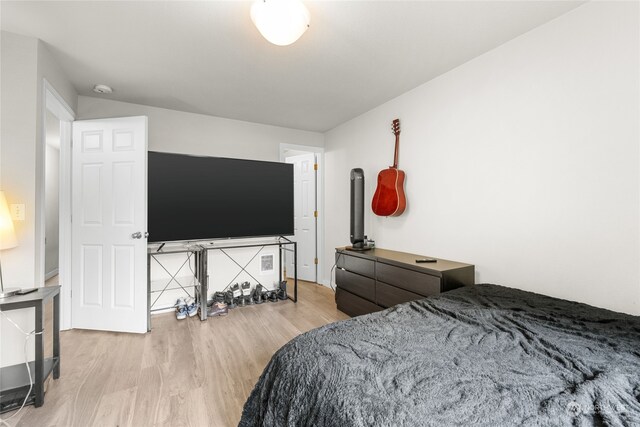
17, 212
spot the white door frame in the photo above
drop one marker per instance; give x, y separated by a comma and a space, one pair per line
53, 102
319, 152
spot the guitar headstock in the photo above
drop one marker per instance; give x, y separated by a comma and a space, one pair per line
395, 127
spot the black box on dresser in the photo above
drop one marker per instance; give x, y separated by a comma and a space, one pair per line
380, 278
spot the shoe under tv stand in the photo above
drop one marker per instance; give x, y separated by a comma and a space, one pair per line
200, 251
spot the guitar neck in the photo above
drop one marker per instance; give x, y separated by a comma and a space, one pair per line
395, 154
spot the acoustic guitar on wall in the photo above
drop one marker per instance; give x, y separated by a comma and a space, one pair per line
389, 198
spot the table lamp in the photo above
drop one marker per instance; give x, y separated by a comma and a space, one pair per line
7, 241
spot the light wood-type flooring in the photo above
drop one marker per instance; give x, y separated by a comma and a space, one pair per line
182, 373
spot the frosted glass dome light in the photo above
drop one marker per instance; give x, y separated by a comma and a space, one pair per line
281, 22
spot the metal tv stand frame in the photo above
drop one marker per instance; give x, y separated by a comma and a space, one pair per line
199, 250
155, 253
284, 245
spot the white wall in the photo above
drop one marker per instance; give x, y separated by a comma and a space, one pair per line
25, 62
179, 132
19, 104
17, 158
523, 161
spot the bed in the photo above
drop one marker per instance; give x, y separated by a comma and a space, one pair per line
479, 355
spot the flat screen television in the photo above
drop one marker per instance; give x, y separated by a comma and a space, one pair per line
200, 198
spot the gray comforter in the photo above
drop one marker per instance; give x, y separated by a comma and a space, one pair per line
482, 355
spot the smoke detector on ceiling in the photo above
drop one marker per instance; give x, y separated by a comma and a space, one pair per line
102, 89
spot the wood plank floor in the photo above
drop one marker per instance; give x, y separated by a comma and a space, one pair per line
182, 373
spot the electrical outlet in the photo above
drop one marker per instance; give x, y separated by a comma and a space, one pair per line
17, 212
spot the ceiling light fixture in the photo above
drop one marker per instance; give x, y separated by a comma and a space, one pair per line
102, 89
281, 22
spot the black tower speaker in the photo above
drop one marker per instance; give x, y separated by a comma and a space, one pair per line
357, 211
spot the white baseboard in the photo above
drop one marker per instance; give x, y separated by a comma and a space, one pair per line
163, 311
49, 275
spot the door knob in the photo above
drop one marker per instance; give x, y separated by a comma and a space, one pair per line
137, 235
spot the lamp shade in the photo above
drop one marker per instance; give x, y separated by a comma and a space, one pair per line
7, 233
281, 22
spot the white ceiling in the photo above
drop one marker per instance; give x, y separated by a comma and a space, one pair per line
207, 57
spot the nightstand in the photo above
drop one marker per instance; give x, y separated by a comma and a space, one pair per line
14, 380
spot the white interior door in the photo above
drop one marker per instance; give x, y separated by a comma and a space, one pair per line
109, 209
304, 194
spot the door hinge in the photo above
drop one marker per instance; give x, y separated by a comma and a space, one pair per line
315, 261
315, 214
315, 166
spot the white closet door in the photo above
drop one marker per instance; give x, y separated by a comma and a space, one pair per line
304, 191
109, 223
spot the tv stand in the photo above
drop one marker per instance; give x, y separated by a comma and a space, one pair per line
199, 251
284, 245
156, 288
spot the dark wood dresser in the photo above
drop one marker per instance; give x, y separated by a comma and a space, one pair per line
377, 279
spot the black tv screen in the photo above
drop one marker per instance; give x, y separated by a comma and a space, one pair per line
198, 198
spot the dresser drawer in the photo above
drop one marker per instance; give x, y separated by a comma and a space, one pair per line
365, 267
388, 296
353, 305
409, 280
356, 284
